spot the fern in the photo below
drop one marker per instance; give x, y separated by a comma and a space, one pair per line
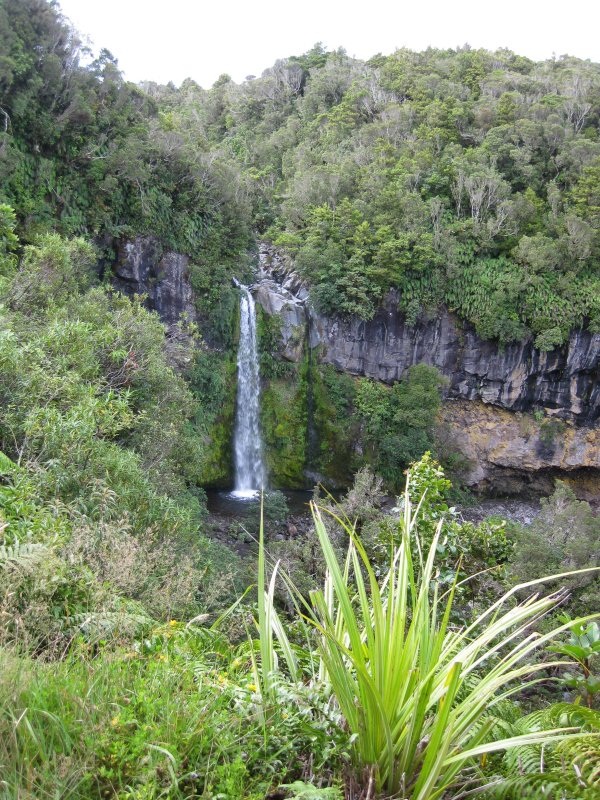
584, 756
99, 625
570, 770
306, 791
563, 714
22, 555
551, 786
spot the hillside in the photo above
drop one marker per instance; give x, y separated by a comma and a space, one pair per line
467, 178
415, 240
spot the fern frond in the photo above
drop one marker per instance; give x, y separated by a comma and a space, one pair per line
550, 786
22, 555
583, 755
569, 770
563, 715
107, 624
306, 791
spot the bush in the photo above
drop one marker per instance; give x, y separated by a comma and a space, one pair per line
416, 694
565, 536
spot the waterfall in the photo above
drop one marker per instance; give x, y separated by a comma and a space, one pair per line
249, 468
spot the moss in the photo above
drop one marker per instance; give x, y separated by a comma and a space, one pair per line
283, 407
217, 463
213, 381
309, 424
284, 428
268, 333
336, 427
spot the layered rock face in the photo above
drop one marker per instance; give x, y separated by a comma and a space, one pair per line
515, 453
143, 268
564, 382
490, 389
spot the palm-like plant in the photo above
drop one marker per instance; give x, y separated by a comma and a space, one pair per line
416, 693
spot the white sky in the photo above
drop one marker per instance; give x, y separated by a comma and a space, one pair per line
164, 40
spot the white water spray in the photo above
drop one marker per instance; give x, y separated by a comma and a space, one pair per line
249, 467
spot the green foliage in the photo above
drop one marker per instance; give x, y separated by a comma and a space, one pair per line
9, 241
50, 272
217, 303
269, 337
333, 424
99, 458
583, 647
85, 152
284, 429
566, 771
415, 694
461, 177
564, 536
306, 791
399, 421
458, 177
465, 177
336, 427
474, 555
212, 381
148, 710
172, 714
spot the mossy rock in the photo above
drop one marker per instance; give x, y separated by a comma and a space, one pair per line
284, 427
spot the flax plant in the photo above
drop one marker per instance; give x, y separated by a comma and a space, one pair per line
417, 694
270, 628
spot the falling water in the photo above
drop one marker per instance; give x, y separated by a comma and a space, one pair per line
249, 468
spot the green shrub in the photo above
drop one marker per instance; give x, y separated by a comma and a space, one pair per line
416, 694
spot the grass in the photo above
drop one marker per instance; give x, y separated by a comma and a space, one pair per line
371, 685
176, 718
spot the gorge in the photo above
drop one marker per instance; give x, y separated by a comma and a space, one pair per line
519, 416
372, 285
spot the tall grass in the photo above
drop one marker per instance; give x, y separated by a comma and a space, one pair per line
416, 693
159, 723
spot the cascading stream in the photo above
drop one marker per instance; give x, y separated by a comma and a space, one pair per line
249, 467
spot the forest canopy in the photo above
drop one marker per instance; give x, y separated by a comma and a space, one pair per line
461, 177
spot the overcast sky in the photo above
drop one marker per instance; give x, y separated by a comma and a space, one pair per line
163, 40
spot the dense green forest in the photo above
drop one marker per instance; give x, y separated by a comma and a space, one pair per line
461, 177
384, 652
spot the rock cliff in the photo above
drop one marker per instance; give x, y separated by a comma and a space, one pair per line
514, 453
143, 268
520, 416
564, 382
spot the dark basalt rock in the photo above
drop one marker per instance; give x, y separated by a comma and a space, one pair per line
142, 267
564, 382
